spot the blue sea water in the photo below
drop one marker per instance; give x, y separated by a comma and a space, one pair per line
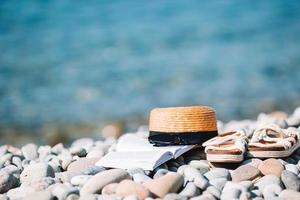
89, 60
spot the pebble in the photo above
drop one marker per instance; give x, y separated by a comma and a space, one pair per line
62, 191
292, 168
255, 162
110, 188
98, 181
17, 161
204, 196
136, 170
201, 165
131, 197
214, 191
169, 183
193, 174
271, 166
129, 187
73, 197
40, 195
289, 195
41, 184
271, 191
20, 192
217, 173
78, 151
244, 172
7, 181
85, 143
30, 151
92, 170
95, 154
82, 164
190, 190
43, 152
290, 180
160, 172
66, 176
219, 183
174, 196
141, 178
80, 180
66, 160
267, 180
36, 171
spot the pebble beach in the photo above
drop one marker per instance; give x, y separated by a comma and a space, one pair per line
62, 172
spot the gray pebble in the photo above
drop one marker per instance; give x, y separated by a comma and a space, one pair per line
30, 151
85, 143
36, 171
201, 165
192, 174
66, 160
25, 163
271, 191
256, 193
78, 151
66, 176
173, 196
95, 154
131, 197
267, 180
136, 170
17, 161
40, 195
41, 183
7, 181
214, 191
141, 178
218, 183
80, 180
62, 191
160, 172
292, 168
92, 170
247, 184
290, 180
217, 173
58, 148
20, 192
230, 193
43, 152
73, 197
205, 196
56, 165
190, 190
291, 161
180, 170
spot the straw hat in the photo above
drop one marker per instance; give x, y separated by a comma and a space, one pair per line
182, 125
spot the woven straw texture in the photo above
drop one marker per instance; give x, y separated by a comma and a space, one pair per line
183, 119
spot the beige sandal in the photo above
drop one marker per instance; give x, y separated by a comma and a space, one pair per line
228, 147
272, 141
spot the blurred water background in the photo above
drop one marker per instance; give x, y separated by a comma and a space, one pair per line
96, 62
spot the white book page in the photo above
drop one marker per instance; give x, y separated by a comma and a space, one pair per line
130, 142
126, 160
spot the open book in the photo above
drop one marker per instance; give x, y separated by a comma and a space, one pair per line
133, 151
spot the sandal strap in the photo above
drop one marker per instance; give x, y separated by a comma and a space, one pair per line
238, 137
285, 137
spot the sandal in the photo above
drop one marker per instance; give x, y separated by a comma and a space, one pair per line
272, 141
228, 147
